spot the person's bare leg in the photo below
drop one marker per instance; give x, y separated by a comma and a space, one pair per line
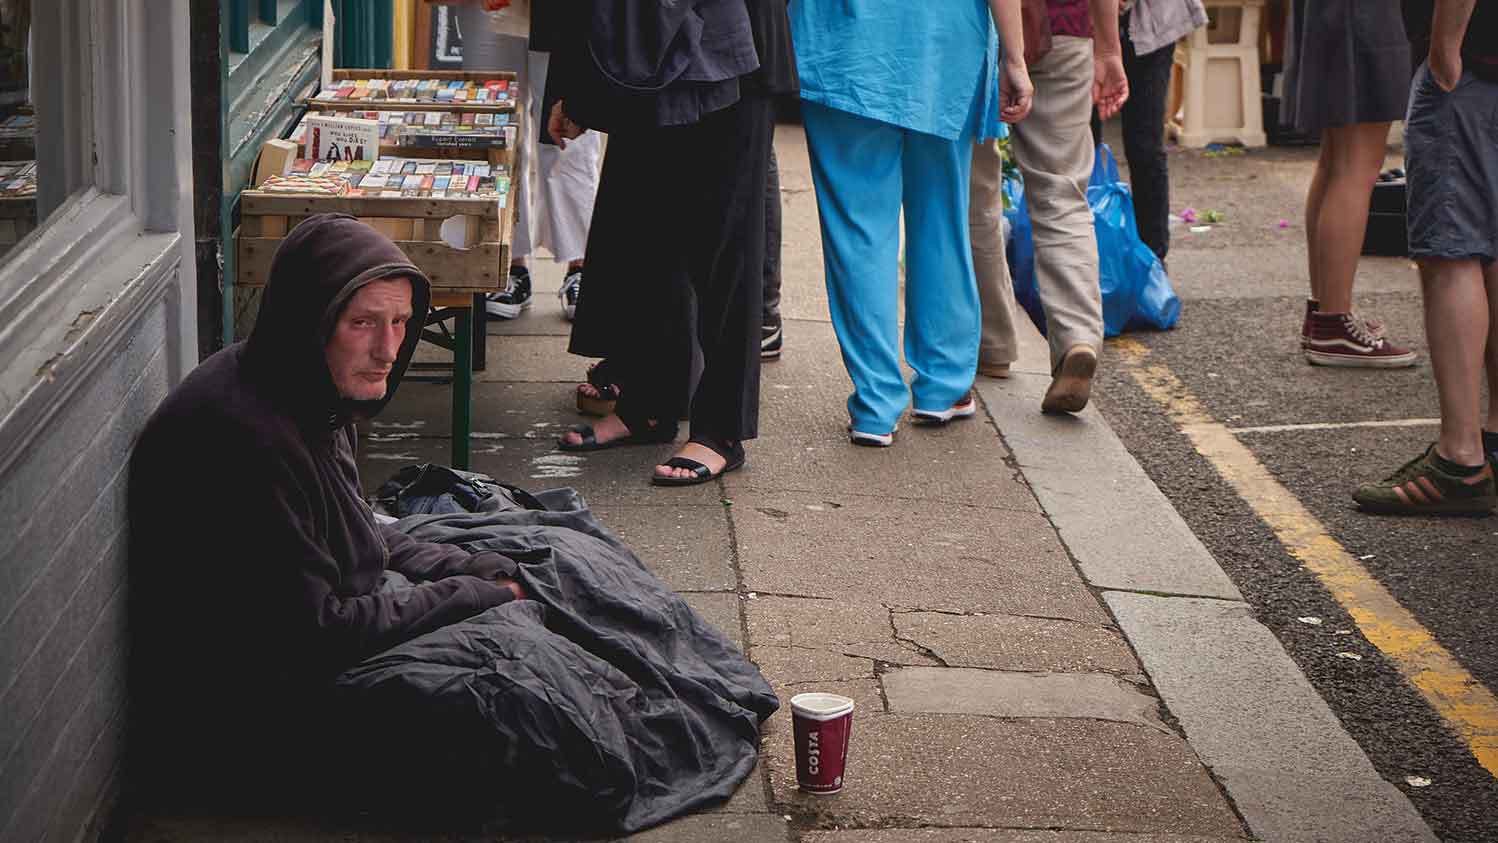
1342, 218
1314, 199
1457, 322
1490, 281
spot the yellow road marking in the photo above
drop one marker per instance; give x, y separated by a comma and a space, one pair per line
1468, 707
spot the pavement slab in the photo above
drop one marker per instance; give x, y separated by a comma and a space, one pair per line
688, 547
789, 667
919, 554
986, 772
1121, 529
720, 610
1254, 718
720, 828
996, 835
534, 359
1012, 642
805, 447
509, 410
994, 693
616, 475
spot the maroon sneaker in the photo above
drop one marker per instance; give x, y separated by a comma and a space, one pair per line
1374, 326
1344, 339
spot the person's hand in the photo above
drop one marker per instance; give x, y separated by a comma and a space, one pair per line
1015, 91
1445, 67
560, 127
1110, 85
514, 586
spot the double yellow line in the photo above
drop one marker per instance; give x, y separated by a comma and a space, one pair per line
1465, 704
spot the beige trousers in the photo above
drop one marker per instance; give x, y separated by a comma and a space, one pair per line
1053, 147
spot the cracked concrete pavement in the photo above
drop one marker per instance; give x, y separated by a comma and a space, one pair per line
994, 693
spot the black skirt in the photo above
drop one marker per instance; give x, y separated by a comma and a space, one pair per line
1349, 62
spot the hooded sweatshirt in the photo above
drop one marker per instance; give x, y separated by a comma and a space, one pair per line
255, 563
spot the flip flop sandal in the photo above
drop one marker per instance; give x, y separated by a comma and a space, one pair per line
601, 404
658, 435
701, 473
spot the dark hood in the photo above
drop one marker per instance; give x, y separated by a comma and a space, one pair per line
319, 266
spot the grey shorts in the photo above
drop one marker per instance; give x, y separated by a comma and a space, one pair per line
1451, 166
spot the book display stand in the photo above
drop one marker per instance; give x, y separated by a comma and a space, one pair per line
440, 187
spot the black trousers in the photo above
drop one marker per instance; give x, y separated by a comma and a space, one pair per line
772, 241
1144, 142
676, 254
1144, 139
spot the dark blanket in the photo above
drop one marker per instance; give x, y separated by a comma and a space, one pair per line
603, 703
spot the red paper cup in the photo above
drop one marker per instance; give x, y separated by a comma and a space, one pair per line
821, 723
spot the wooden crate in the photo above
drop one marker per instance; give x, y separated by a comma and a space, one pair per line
413, 223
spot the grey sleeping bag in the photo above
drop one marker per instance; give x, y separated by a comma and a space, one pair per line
604, 703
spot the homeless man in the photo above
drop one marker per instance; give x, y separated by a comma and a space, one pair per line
256, 565
518, 665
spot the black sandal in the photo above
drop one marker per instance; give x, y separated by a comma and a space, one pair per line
660, 434
601, 404
733, 454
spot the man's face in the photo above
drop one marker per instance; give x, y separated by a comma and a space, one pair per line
367, 338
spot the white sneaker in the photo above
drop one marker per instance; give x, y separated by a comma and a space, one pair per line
961, 410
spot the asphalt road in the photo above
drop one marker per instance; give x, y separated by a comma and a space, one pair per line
1236, 350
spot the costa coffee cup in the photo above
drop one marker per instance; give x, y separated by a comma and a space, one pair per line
822, 724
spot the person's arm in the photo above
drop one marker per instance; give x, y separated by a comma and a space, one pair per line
301, 587
1110, 85
1015, 89
1448, 28
427, 562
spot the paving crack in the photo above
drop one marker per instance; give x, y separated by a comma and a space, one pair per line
911, 644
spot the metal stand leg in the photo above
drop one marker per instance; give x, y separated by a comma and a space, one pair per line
480, 333
462, 384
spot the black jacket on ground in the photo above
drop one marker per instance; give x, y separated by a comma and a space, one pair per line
255, 563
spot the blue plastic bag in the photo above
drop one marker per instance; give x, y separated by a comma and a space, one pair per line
1136, 292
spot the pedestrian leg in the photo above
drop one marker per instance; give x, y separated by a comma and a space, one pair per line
998, 347
943, 316
855, 164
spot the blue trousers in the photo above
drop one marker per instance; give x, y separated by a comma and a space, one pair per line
865, 171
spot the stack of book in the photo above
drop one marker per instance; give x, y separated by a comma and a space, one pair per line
17, 179
462, 130
433, 91
18, 127
395, 177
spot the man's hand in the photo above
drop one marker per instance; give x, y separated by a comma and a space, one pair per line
1015, 90
1110, 85
560, 127
514, 586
